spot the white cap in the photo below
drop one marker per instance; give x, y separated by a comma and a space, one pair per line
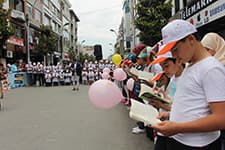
162, 58
175, 31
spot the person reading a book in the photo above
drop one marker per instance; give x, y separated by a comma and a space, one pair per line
197, 112
162, 82
141, 62
172, 69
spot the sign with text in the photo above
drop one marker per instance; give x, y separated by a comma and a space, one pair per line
209, 14
195, 7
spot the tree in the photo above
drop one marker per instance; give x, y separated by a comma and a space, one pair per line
48, 41
72, 54
5, 29
152, 15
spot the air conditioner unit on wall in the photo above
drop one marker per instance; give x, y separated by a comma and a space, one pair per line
9, 54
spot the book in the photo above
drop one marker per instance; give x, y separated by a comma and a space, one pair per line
142, 112
134, 71
147, 93
142, 75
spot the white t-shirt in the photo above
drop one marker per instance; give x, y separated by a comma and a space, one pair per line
84, 75
48, 78
91, 75
199, 85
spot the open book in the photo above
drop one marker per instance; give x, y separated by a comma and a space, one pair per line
133, 71
143, 75
142, 112
147, 93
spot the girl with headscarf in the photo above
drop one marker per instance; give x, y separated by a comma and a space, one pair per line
215, 45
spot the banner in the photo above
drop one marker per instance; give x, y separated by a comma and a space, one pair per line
17, 80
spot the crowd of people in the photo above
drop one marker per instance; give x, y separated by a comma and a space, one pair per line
69, 73
193, 82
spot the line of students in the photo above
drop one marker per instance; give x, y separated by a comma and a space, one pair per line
194, 81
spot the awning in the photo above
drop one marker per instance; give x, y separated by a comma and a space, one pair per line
57, 53
15, 41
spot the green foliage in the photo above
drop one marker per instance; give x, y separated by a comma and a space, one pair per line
152, 15
72, 54
83, 57
48, 41
5, 29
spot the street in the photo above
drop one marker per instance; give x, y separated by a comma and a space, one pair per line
58, 118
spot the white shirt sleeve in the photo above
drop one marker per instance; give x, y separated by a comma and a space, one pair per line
157, 69
214, 85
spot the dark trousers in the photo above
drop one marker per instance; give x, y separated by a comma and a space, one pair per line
41, 79
161, 143
222, 139
173, 145
29, 79
140, 124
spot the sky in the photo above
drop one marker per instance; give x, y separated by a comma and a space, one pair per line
97, 17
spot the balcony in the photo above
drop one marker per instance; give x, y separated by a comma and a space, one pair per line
16, 14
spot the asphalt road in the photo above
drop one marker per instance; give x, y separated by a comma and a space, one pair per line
58, 118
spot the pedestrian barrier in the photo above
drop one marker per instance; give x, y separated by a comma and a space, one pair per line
17, 80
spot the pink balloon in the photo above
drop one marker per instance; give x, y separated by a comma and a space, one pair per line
106, 70
119, 74
130, 84
104, 94
105, 75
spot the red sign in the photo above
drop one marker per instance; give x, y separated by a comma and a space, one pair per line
15, 41
66, 55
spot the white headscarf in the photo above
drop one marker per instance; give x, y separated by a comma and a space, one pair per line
215, 42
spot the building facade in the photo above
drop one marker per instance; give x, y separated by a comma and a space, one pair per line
206, 15
128, 33
88, 50
28, 16
15, 45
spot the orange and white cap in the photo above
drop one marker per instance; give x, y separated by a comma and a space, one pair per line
175, 31
157, 76
162, 58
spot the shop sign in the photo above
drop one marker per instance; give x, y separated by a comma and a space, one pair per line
195, 7
57, 53
209, 14
15, 41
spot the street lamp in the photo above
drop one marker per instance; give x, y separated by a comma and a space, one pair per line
27, 38
120, 40
27, 33
81, 46
112, 30
82, 42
